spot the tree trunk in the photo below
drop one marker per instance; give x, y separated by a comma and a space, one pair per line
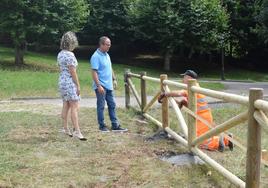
168, 55
181, 53
231, 50
191, 53
210, 58
222, 64
19, 53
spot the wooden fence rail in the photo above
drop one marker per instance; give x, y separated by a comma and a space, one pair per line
255, 115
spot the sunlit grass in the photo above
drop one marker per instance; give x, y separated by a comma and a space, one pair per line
34, 154
39, 76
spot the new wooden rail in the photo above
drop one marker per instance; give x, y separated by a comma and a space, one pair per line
255, 115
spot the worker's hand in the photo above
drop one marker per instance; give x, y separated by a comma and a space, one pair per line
183, 102
161, 97
101, 89
115, 84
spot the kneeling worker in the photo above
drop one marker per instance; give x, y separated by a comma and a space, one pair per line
181, 98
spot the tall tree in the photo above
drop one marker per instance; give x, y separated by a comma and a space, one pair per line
107, 18
242, 39
29, 20
196, 24
160, 21
262, 19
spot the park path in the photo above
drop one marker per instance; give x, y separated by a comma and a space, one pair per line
240, 88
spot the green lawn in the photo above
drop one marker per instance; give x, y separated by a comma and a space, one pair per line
34, 154
38, 78
234, 161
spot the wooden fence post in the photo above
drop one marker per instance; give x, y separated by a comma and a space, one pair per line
143, 92
191, 121
253, 142
127, 90
165, 119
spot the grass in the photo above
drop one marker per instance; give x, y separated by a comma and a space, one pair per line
234, 161
34, 154
39, 76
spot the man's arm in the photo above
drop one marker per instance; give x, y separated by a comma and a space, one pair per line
97, 82
176, 93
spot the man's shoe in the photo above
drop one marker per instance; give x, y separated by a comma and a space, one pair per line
119, 129
231, 144
104, 130
78, 135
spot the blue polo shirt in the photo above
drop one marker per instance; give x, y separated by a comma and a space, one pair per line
101, 62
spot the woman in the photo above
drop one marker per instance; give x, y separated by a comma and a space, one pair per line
69, 84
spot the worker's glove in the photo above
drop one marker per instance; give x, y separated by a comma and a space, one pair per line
115, 84
161, 97
183, 102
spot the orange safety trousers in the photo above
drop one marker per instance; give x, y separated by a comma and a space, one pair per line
201, 128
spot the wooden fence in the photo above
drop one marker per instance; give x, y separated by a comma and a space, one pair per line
255, 115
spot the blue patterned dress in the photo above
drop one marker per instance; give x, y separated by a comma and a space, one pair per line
67, 86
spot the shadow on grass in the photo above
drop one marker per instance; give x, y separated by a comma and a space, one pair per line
29, 66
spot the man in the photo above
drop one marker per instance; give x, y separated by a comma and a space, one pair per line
104, 83
181, 97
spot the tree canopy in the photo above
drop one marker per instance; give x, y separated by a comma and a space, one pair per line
200, 25
189, 26
40, 21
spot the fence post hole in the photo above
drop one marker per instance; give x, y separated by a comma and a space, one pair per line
127, 90
165, 119
253, 142
191, 121
143, 92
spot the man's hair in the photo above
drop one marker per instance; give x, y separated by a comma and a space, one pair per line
68, 41
103, 39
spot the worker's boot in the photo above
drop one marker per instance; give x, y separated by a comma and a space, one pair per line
231, 144
221, 144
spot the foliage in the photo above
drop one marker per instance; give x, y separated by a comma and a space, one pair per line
262, 18
209, 25
200, 25
243, 39
107, 18
43, 21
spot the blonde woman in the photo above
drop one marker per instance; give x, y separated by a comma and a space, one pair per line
69, 86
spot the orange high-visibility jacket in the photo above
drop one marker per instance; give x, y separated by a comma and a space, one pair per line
204, 111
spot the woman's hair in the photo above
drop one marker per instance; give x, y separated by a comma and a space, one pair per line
68, 41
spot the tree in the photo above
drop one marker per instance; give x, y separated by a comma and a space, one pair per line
107, 18
29, 21
262, 19
242, 39
160, 21
196, 24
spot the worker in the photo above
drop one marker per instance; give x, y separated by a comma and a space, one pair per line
203, 111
